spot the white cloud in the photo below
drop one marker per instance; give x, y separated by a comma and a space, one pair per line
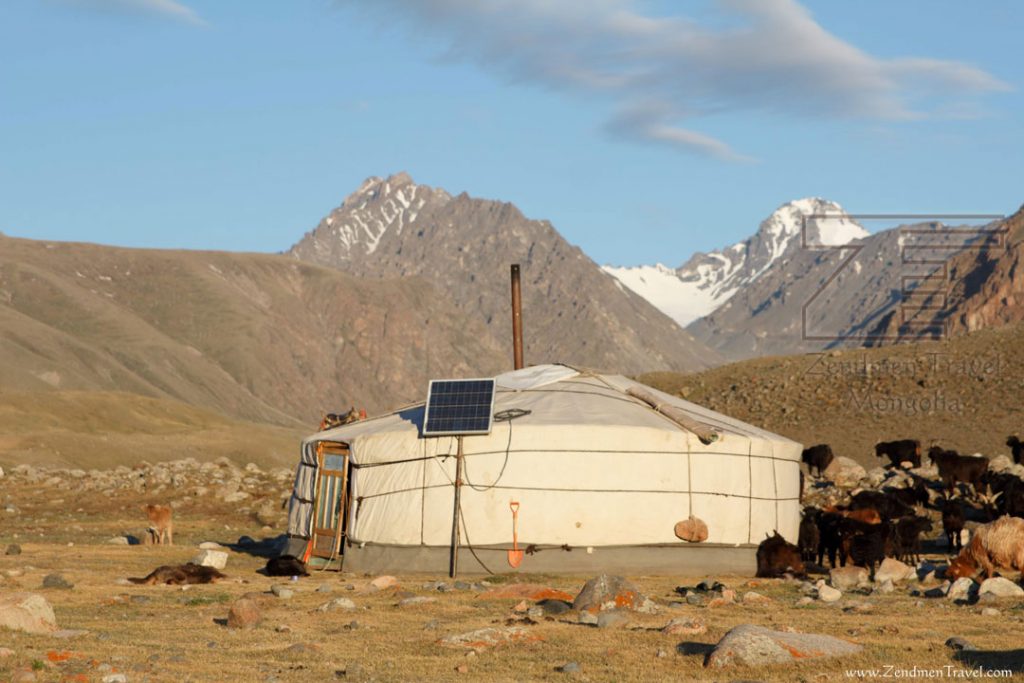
662, 71
170, 9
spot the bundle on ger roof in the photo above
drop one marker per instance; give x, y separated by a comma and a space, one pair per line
602, 468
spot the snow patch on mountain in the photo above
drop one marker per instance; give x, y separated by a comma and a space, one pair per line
707, 281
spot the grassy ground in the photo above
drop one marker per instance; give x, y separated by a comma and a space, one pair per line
163, 633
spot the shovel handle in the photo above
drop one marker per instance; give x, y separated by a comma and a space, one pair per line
514, 507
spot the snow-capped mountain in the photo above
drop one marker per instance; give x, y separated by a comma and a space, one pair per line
707, 281
460, 247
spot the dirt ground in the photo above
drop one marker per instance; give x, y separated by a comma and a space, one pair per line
165, 633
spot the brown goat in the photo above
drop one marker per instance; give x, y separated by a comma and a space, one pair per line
997, 544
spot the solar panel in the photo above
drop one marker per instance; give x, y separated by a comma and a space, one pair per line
459, 406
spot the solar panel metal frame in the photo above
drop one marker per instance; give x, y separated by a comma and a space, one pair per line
455, 430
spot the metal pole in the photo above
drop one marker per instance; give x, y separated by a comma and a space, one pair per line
517, 320
453, 567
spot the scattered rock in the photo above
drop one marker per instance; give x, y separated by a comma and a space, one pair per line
554, 607
324, 588
568, 668
827, 593
612, 619
115, 678
57, 581
894, 571
607, 592
844, 472
958, 643
28, 612
13, 549
524, 591
244, 613
685, 626
382, 582
416, 600
990, 612
337, 603
961, 589
884, 587
804, 601
283, 592
1000, 588
210, 545
752, 645
754, 598
218, 559
119, 540
848, 578
489, 637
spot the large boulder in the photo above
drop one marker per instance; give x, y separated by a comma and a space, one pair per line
28, 612
612, 592
844, 472
752, 645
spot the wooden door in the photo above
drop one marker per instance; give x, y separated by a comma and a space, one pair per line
330, 502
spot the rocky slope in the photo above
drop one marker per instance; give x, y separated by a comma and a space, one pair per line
258, 337
980, 287
965, 393
573, 312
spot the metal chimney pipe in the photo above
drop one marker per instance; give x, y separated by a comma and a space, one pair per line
517, 320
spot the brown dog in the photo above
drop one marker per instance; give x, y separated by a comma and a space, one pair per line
162, 523
180, 575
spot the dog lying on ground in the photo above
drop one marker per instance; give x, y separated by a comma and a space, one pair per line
286, 565
180, 575
161, 518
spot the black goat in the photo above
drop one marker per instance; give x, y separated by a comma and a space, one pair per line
906, 450
888, 506
953, 468
907, 539
870, 545
810, 536
953, 523
1016, 448
817, 457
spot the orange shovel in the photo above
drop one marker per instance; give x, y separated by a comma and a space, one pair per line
515, 556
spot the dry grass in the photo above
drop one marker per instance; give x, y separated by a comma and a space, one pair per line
163, 633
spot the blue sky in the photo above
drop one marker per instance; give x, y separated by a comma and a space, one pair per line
644, 131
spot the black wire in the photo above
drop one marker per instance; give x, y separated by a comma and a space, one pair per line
505, 416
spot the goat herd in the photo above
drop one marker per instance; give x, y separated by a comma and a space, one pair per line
890, 521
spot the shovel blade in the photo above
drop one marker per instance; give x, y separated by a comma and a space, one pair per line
515, 558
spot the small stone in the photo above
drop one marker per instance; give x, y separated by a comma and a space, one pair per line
990, 612
894, 571
569, 668
804, 601
218, 559
848, 578
884, 587
958, 643
754, 598
661, 654
553, 607
282, 592
695, 599
283, 628
416, 600
587, 618
337, 603
462, 669
827, 593
118, 540
244, 613
324, 588
6, 652
115, 678
961, 589
431, 625
210, 545
13, 549
57, 581
382, 582
685, 626
1001, 588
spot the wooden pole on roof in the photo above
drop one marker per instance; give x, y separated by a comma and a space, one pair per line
517, 320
